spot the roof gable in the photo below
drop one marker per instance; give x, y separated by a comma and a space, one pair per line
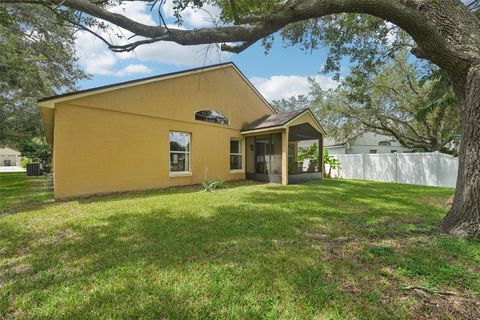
49, 102
9, 151
222, 88
281, 119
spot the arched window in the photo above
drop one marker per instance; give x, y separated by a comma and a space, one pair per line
385, 143
211, 116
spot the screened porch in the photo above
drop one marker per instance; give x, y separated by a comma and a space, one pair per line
284, 148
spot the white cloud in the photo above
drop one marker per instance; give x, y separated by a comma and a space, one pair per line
132, 69
92, 55
137, 11
392, 33
97, 59
195, 17
283, 87
178, 55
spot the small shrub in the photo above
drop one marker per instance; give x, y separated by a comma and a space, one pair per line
38, 150
332, 162
213, 184
25, 161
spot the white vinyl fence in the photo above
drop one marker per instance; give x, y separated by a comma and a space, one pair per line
426, 168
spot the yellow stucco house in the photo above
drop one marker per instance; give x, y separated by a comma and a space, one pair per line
174, 129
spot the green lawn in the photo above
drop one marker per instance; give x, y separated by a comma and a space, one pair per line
17, 191
334, 249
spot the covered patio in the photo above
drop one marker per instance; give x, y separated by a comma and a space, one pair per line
284, 148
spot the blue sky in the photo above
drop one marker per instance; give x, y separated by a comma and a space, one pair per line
280, 74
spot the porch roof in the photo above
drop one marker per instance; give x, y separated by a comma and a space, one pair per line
279, 121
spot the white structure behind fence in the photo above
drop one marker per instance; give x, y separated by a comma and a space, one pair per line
426, 168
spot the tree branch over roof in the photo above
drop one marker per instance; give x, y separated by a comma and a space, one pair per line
410, 15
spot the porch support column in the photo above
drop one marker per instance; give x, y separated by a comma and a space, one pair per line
285, 156
321, 163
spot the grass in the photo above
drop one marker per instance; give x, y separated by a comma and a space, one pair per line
333, 249
19, 191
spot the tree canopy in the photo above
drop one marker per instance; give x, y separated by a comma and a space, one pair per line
411, 103
37, 58
420, 112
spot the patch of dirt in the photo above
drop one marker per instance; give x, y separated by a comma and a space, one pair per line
351, 288
316, 235
278, 242
319, 236
439, 202
450, 304
21, 269
63, 235
440, 303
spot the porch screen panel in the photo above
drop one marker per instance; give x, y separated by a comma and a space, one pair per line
276, 154
250, 160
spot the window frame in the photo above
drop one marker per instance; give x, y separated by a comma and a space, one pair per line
241, 154
189, 153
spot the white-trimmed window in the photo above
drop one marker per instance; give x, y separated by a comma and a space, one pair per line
236, 154
179, 152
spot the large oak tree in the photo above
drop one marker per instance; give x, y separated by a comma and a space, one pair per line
446, 32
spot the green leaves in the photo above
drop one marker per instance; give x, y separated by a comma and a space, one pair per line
213, 184
413, 104
308, 153
37, 58
37, 150
292, 103
363, 39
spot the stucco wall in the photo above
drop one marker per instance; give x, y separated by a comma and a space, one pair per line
223, 90
119, 140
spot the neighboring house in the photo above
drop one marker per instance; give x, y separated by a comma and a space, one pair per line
366, 143
175, 129
9, 157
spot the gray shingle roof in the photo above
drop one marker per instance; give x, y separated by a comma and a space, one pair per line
274, 120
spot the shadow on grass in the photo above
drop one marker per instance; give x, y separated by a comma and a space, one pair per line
145, 194
19, 192
330, 248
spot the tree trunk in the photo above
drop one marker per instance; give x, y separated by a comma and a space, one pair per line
463, 219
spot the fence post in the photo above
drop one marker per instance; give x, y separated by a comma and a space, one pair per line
338, 166
437, 166
396, 167
364, 166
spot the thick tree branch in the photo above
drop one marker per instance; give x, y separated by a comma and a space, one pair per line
419, 18
383, 129
407, 125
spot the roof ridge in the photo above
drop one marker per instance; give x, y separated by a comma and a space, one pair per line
112, 85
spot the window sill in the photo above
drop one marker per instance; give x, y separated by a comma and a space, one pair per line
180, 174
237, 171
